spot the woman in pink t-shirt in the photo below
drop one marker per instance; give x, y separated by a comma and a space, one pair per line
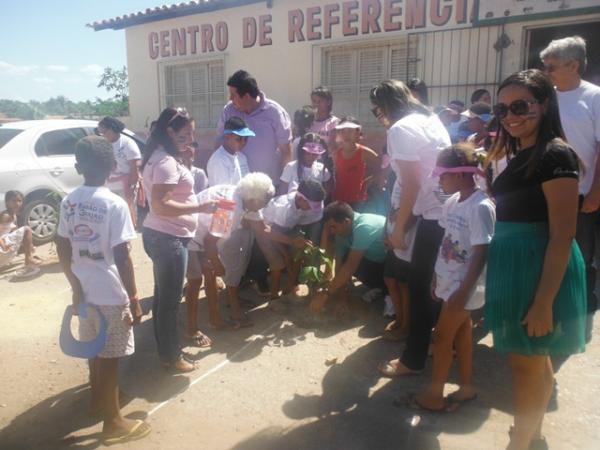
169, 226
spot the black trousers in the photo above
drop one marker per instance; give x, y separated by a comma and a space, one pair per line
370, 274
424, 311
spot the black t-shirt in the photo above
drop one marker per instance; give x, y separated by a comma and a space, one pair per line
520, 198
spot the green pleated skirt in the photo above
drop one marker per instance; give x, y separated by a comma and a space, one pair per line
515, 260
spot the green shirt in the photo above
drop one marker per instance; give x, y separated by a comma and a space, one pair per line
367, 236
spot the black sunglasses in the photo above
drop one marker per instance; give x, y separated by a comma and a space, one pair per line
518, 108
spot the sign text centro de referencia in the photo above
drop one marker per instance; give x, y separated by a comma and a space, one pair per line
352, 17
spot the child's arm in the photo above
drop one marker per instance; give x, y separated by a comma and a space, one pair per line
125, 267
65, 252
458, 299
373, 162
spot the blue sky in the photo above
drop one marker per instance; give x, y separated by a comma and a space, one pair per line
46, 50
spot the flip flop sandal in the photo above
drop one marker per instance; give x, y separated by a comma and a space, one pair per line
140, 430
413, 403
27, 272
452, 399
199, 340
390, 371
172, 366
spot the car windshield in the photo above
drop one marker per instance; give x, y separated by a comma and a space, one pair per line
6, 134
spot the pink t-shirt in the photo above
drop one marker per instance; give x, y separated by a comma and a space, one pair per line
324, 128
162, 168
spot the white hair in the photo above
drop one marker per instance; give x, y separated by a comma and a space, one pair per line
256, 186
571, 48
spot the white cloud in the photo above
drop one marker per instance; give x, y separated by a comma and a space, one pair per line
43, 80
56, 68
13, 69
93, 70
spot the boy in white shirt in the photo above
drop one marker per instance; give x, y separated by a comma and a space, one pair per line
468, 218
93, 248
228, 165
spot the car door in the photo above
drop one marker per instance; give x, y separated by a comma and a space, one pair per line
55, 151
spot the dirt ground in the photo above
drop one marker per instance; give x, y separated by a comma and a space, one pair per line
285, 383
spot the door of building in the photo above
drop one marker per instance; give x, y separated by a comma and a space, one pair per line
539, 38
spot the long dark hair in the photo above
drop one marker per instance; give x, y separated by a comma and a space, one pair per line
324, 93
395, 100
305, 139
174, 118
303, 119
550, 127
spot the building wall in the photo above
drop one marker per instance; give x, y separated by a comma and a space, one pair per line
449, 57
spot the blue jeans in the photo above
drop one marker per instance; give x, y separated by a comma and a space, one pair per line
169, 260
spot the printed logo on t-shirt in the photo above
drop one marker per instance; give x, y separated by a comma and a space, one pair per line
451, 251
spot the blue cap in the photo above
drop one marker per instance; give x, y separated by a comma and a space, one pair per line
243, 132
82, 349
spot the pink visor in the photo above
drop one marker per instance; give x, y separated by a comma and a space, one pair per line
314, 147
315, 206
439, 171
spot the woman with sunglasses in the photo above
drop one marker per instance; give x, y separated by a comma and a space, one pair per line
414, 138
169, 226
535, 288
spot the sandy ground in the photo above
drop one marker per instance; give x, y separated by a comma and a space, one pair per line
282, 384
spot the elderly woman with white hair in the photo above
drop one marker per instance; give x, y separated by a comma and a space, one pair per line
564, 61
223, 240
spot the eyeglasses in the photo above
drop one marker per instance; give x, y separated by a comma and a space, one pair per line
518, 108
180, 112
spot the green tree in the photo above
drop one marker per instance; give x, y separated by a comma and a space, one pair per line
115, 81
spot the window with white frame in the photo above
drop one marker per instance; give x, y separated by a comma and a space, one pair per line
199, 87
351, 71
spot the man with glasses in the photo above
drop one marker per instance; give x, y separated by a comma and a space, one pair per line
564, 60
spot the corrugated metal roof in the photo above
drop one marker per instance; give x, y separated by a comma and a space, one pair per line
169, 12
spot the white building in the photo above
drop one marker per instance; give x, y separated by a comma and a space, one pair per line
183, 54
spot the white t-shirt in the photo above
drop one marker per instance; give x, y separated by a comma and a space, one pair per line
214, 193
317, 172
225, 168
95, 221
580, 116
409, 238
282, 211
125, 149
467, 223
419, 138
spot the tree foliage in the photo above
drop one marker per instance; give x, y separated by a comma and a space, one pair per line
113, 80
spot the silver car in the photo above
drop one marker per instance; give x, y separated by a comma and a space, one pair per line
37, 157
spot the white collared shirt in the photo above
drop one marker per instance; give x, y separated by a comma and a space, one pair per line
225, 168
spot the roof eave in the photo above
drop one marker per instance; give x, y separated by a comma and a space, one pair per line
165, 13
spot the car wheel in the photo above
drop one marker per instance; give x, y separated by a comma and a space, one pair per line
41, 215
